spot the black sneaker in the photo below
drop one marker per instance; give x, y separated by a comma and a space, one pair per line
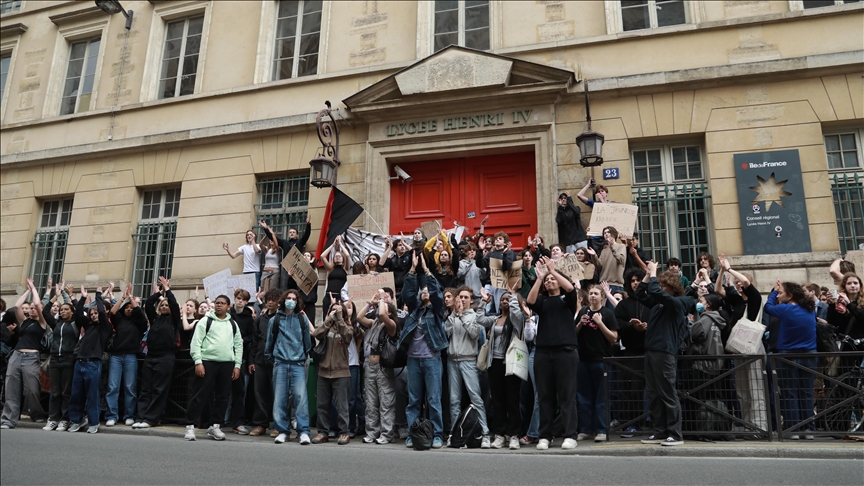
671, 442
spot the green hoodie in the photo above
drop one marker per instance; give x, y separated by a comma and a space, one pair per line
221, 343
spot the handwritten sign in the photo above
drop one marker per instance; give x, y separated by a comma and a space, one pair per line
361, 288
570, 267
217, 284
430, 228
501, 279
622, 217
305, 276
245, 281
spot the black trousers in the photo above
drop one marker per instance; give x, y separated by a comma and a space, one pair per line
60, 370
238, 397
507, 419
217, 376
555, 370
155, 382
632, 389
660, 373
263, 390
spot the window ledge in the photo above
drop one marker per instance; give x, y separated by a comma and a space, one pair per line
77, 16
12, 29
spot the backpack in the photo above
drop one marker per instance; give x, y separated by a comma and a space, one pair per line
392, 356
467, 432
713, 421
422, 434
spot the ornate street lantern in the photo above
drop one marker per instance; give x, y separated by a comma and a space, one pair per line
590, 142
326, 164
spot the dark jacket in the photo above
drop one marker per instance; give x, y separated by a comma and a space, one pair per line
66, 335
129, 331
259, 337
163, 328
633, 340
506, 256
400, 266
667, 324
570, 229
286, 281
246, 324
428, 318
96, 334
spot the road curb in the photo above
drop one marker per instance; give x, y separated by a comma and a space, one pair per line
850, 450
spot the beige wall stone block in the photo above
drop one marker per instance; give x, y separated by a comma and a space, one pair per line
570, 112
225, 169
723, 191
761, 116
731, 9
15, 239
838, 93
95, 273
217, 204
13, 273
238, 184
729, 241
831, 30
16, 221
764, 139
102, 215
354, 153
119, 232
682, 110
239, 47
816, 184
351, 172
230, 227
856, 92
11, 207
625, 109
823, 237
202, 266
15, 187
820, 276
573, 178
720, 165
821, 210
647, 118
768, 277
106, 197
726, 216
98, 252
664, 113
611, 128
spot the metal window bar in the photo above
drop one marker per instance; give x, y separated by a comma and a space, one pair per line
847, 191
676, 212
283, 203
49, 252
154, 254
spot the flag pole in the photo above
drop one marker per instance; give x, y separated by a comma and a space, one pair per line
373, 220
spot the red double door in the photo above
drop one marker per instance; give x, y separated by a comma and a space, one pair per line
503, 187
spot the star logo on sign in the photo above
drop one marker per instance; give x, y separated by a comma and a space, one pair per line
770, 191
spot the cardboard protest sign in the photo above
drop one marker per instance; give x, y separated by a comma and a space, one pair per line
305, 276
501, 279
361, 288
570, 267
217, 284
430, 228
622, 217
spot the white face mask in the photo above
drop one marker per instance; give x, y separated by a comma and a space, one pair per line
290, 304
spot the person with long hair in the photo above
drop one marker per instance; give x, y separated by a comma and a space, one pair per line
796, 334
270, 277
591, 265
553, 299
597, 328
378, 382
666, 332
88, 365
129, 324
847, 313
529, 273
251, 252
60, 369
337, 262
22, 374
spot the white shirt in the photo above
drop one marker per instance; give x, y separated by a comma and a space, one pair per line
250, 258
271, 259
353, 357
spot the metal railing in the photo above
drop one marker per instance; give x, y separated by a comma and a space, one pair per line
847, 191
673, 218
154, 254
283, 203
49, 252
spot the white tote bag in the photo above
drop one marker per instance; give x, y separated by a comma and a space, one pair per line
516, 358
746, 336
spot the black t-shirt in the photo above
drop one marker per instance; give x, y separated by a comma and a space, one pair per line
593, 345
555, 328
29, 334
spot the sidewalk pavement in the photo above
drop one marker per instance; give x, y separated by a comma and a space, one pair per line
820, 448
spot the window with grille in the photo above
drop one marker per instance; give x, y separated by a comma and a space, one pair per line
647, 14
154, 238
5, 62
9, 6
843, 151
298, 35
462, 23
180, 57
670, 191
49, 242
80, 74
283, 203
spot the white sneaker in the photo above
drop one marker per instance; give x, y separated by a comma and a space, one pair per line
304, 439
569, 444
542, 444
141, 425
380, 440
190, 432
280, 439
50, 425
215, 431
93, 429
110, 423
498, 442
584, 436
62, 426
600, 438
514, 443
671, 442
130, 422
485, 444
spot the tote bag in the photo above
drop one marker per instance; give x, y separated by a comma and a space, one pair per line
746, 336
516, 359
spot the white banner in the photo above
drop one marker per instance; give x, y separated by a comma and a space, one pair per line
361, 243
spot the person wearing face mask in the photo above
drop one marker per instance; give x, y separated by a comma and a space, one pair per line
217, 351
163, 313
129, 324
88, 364
62, 365
287, 347
705, 341
598, 330
418, 243
22, 374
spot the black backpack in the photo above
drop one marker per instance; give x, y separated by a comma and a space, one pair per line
391, 355
422, 434
467, 432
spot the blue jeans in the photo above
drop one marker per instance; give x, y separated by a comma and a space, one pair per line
356, 404
534, 425
290, 379
85, 388
796, 392
459, 372
425, 375
123, 366
591, 394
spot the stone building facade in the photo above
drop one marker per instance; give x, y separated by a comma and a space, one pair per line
126, 152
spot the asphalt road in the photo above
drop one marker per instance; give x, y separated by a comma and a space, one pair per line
29, 456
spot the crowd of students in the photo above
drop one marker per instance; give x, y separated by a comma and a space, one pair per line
441, 314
